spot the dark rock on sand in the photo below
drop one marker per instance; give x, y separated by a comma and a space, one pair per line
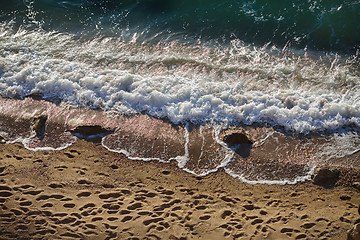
91, 133
354, 233
39, 126
36, 96
235, 137
326, 177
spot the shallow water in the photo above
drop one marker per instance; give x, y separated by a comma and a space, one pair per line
274, 157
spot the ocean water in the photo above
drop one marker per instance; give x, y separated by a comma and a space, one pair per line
291, 65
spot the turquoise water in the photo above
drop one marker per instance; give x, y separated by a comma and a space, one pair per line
320, 25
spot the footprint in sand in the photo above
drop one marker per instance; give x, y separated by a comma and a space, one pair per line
61, 168
228, 200
83, 194
135, 206
33, 192
69, 155
111, 206
2, 171
56, 185
226, 213
126, 218
88, 205
111, 195
84, 181
69, 205
108, 185
250, 207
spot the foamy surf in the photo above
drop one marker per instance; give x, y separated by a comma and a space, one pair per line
184, 83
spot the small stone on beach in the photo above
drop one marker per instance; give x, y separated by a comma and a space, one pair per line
326, 177
39, 126
235, 137
354, 233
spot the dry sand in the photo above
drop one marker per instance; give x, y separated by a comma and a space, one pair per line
87, 192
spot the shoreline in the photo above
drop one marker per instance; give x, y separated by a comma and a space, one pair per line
269, 157
87, 192
84, 190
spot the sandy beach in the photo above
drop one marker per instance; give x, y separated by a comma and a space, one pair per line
87, 192
164, 119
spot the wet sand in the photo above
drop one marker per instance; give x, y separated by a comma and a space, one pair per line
274, 156
87, 192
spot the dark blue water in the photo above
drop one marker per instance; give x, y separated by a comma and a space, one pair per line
319, 25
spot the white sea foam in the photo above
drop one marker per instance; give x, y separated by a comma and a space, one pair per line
340, 145
181, 160
27, 142
234, 83
298, 179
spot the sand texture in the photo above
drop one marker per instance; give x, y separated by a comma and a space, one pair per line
87, 192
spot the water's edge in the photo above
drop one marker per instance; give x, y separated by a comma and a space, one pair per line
273, 158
